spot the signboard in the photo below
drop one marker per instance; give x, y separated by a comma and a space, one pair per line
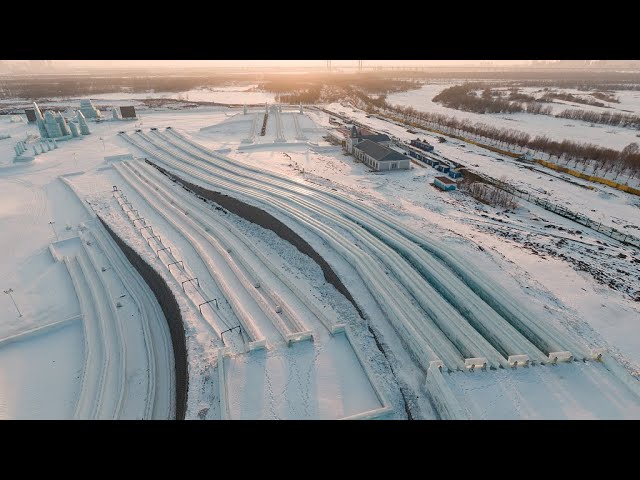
128, 112
31, 114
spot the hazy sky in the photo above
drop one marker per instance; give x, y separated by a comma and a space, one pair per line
269, 63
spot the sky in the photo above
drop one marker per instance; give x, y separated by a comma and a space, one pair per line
266, 63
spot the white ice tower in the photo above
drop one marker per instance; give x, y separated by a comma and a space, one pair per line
62, 122
51, 125
40, 121
84, 128
88, 110
74, 129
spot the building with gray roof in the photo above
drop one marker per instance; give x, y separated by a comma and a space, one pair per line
380, 157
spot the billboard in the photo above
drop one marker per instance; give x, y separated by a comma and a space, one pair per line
31, 114
128, 112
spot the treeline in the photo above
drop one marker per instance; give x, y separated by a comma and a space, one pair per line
602, 159
607, 97
40, 88
606, 118
312, 88
463, 97
568, 97
307, 96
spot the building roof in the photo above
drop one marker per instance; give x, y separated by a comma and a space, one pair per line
365, 134
446, 180
379, 152
376, 137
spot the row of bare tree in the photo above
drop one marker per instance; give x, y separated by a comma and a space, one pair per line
569, 97
607, 118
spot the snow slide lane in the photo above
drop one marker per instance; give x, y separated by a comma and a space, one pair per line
388, 295
431, 256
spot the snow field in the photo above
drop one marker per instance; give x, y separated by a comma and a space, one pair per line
40, 374
575, 390
517, 253
319, 380
554, 128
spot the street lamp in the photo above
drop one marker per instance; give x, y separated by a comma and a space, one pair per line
8, 292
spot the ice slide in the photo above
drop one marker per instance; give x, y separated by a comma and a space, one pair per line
103, 380
280, 138
196, 293
296, 125
157, 351
143, 345
430, 256
523, 348
471, 342
236, 288
243, 250
252, 130
400, 310
287, 322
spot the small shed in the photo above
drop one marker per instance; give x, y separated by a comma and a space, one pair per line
443, 167
444, 183
453, 173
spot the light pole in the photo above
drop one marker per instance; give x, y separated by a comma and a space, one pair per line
54, 230
103, 147
8, 292
75, 159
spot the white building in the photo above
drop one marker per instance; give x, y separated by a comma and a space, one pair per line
357, 136
380, 157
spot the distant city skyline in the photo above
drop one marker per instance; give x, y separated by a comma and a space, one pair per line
253, 63
79, 66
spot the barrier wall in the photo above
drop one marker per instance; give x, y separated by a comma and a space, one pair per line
171, 311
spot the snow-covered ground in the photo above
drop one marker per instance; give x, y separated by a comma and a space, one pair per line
570, 278
40, 376
599, 202
554, 128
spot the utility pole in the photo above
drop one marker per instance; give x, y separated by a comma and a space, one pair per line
54, 230
8, 292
